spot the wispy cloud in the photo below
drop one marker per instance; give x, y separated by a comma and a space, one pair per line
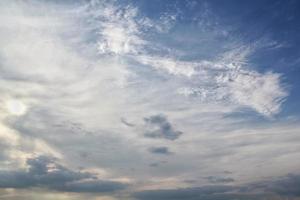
220, 80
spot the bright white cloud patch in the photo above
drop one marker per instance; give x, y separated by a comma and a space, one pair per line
261, 92
16, 107
118, 29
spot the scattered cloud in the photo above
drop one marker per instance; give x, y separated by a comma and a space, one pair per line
158, 126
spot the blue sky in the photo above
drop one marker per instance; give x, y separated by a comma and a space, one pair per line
149, 100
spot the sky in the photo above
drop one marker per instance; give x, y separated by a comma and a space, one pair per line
150, 100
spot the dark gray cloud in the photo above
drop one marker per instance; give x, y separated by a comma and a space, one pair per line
290, 185
124, 121
45, 172
216, 179
286, 187
160, 150
158, 126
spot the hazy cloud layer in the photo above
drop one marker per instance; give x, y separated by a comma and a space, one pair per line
284, 188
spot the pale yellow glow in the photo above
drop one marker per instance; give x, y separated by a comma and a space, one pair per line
16, 107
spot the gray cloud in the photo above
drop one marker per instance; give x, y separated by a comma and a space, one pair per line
44, 172
160, 150
157, 164
159, 127
282, 188
93, 186
216, 179
154, 164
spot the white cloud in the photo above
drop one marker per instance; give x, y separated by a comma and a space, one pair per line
227, 80
172, 66
118, 28
262, 92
